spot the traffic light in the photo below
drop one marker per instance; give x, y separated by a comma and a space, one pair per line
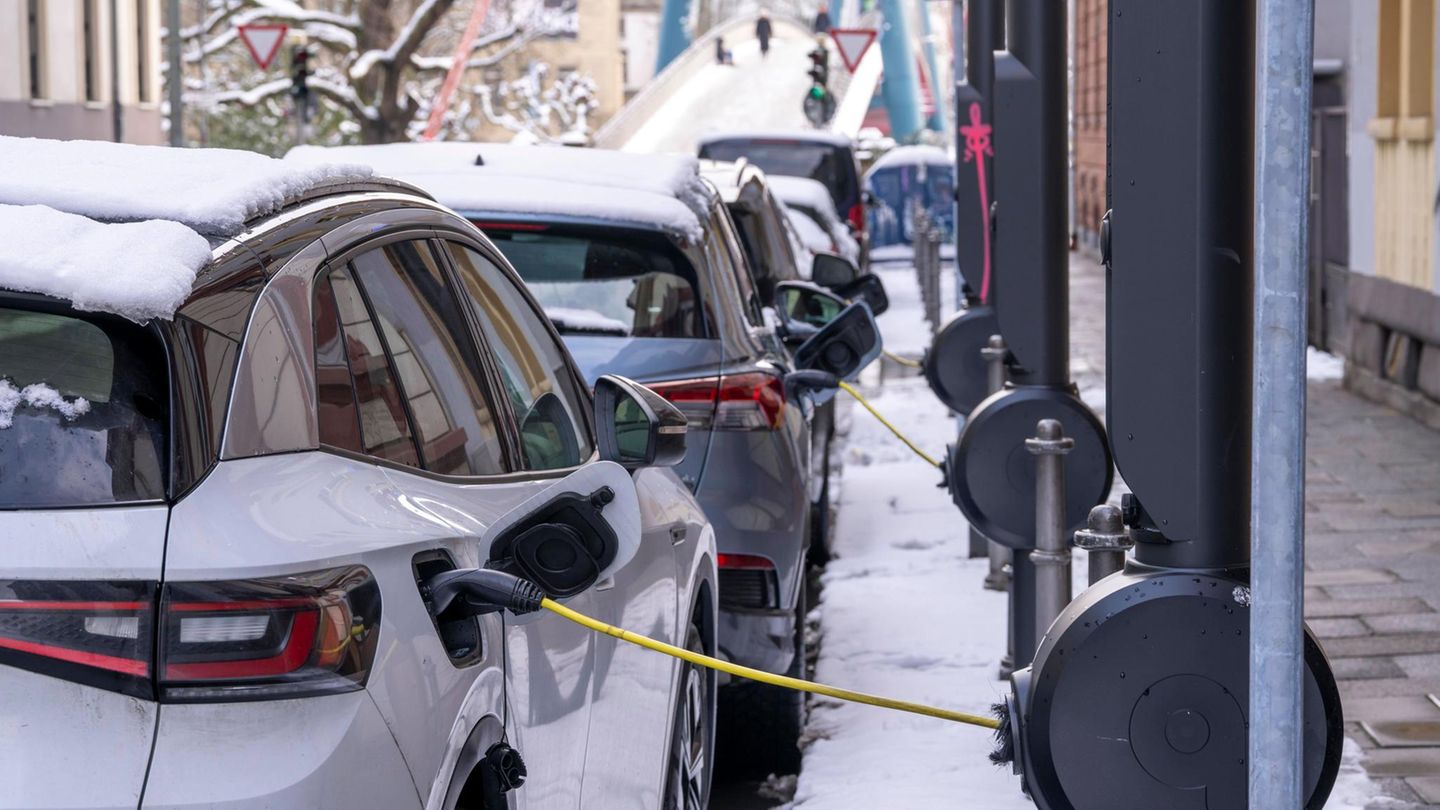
820, 65
300, 72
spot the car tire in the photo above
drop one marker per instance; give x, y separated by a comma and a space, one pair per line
761, 724
818, 553
692, 734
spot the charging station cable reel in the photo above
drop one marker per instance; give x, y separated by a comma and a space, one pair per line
955, 365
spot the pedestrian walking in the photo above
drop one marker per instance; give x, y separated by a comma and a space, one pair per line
822, 19
763, 31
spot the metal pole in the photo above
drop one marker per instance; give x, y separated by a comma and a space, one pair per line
1051, 555
998, 579
1285, 43
901, 85
177, 72
1106, 538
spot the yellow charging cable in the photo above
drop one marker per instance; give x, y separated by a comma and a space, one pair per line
903, 361
701, 660
854, 392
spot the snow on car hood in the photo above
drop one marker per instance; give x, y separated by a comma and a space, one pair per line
211, 191
139, 270
660, 191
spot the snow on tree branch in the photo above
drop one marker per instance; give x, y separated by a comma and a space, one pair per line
379, 61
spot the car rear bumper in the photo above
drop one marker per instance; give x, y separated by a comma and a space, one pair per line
764, 640
331, 751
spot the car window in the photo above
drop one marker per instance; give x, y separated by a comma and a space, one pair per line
436, 363
536, 374
84, 410
732, 258
384, 429
831, 165
608, 282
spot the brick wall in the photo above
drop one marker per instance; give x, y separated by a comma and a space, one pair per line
1090, 89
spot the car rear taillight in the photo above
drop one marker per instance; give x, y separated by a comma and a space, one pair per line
257, 639
857, 218
753, 400
743, 562
268, 638
95, 633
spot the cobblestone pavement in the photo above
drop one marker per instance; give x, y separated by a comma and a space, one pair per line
1372, 577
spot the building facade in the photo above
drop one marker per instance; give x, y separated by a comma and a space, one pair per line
63, 61
1392, 296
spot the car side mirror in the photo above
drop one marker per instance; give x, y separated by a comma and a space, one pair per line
804, 308
870, 289
843, 347
636, 427
830, 270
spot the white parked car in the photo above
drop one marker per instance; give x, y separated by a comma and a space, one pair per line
249, 411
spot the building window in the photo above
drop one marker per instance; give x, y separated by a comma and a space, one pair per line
142, 49
90, 30
35, 40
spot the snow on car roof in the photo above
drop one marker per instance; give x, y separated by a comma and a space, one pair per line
139, 270
803, 191
211, 191
122, 228
910, 155
801, 135
661, 191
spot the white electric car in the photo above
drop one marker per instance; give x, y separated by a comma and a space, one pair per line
218, 517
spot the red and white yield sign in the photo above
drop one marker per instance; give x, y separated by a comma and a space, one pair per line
852, 43
263, 41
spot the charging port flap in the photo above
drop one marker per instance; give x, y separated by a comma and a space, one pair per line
583, 528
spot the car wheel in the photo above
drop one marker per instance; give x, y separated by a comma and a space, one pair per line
687, 785
761, 724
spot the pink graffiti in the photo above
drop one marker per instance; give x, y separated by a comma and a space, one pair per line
977, 148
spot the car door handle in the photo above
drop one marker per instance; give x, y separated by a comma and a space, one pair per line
678, 533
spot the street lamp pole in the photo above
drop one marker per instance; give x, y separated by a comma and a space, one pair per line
1285, 45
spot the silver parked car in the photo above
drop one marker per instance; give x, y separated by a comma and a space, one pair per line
215, 590
639, 265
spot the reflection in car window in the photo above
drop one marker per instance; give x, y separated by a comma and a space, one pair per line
429, 345
384, 427
543, 389
336, 407
610, 284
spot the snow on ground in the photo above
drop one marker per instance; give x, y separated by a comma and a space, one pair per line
139, 270
903, 614
755, 92
904, 326
1323, 366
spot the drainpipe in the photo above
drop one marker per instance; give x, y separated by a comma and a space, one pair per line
177, 74
117, 112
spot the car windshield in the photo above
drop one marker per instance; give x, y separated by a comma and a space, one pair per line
83, 410
818, 161
607, 283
